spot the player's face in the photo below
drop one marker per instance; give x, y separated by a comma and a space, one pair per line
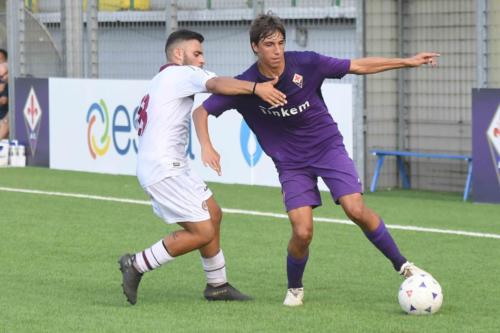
192, 53
271, 50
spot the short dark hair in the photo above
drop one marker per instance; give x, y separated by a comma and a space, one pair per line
264, 26
181, 35
5, 54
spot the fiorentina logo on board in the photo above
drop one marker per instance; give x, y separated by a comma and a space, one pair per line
493, 137
298, 80
32, 118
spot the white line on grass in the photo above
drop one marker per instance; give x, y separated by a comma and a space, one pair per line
252, 213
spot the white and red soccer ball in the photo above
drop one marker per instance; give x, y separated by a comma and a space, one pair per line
420, 294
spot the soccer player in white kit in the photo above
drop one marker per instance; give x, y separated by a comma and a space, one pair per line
177, 194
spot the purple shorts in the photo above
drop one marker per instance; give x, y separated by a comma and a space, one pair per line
335, 167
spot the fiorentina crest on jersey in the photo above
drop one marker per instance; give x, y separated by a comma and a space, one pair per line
32, 115
298, 80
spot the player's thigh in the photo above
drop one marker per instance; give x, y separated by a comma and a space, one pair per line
352, 202
214, 210
299, 188
4, 127
203, 229
180, 198
301, 220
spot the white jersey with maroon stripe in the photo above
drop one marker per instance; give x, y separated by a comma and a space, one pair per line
164, 119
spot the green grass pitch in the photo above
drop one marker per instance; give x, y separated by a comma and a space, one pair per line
59, 272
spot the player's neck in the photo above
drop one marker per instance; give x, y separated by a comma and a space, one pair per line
270, 72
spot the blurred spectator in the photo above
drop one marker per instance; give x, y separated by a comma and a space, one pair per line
4, 100
3, 56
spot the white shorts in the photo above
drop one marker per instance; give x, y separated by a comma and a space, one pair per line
180, 198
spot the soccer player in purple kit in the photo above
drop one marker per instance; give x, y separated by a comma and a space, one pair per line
304, 141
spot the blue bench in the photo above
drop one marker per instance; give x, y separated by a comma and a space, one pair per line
381, 154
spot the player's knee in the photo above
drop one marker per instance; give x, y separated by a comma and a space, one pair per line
205, 239
204, 234
303, 235
355, 212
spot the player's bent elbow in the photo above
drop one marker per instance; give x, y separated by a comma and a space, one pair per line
199, 113
211, 85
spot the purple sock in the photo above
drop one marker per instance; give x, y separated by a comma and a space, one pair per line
295, 269
383, 241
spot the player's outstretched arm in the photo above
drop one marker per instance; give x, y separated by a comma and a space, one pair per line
209, 156
230, 86
373, 65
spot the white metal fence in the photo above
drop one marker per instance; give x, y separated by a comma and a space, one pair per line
418, 110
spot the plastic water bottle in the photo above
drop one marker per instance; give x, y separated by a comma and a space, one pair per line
17, 156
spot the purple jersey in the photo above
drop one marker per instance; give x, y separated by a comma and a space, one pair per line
296, 134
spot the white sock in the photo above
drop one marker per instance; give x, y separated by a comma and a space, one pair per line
152, 257
215, 269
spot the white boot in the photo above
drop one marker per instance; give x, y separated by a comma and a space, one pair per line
294, 297
409, 269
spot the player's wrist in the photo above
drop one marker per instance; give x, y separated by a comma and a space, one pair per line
254, 87
206, 146
407, 62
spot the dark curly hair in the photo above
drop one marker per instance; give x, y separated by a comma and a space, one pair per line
264, 26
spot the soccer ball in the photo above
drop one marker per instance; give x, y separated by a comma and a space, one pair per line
420, 294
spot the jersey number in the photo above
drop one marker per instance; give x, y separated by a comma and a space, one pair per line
143, 115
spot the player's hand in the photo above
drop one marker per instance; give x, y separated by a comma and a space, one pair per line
269, 94
210, 157
424, 58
